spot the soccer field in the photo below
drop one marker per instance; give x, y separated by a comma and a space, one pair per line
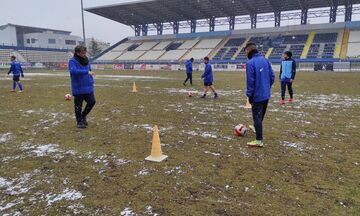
310, 164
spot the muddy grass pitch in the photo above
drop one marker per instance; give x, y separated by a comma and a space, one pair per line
310, 164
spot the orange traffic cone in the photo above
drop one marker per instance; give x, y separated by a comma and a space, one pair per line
156, 153
248, 105
134, 88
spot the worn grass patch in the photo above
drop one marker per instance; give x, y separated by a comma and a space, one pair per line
310, 165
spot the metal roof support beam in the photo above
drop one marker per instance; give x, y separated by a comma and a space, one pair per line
304, 16
144, 29
232, 23
333, 11
193, 26
137, 29
348, 10
212, 24
253, 18
159, 28
277, 15
176, 27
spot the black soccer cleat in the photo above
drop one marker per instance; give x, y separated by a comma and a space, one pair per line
85, 121
81, 125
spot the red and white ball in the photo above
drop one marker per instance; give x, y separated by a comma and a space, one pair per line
240, 130
68, 97
191, 94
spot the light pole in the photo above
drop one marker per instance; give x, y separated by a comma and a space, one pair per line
83, 22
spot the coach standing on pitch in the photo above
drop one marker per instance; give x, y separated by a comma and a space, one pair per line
82, 85
259, 79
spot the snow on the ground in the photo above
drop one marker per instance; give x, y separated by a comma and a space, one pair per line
143, 172
181, 91
300, 146
40, 150
76, 208
10, 205
212, 153
5, 137
19, 185
67, 194
174, 170
128, 212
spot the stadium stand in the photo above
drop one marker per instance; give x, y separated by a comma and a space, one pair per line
146, 46
172, 55
5, 55
353, 50
152, 55
131, 55
322, 45
45, 56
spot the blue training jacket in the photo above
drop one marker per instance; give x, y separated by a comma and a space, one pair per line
81, 81
189, 68
15, 68
259, 78
208, 74
287, 70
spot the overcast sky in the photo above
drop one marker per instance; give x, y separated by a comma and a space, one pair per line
65, 15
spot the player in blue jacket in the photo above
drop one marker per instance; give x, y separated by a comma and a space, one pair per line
82, 85
189, 70
17, 71
208, 78
259, 79
287, 76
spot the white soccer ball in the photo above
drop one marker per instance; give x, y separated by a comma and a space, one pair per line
68, 97
240, 130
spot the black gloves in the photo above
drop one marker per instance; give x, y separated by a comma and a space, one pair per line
22, 75
251, 100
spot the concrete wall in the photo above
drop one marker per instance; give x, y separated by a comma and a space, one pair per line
8, 36
42, 40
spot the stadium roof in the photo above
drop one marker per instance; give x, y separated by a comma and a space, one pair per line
30, 29
163, 11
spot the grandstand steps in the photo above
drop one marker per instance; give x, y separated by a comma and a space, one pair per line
198, 40
321, 50
18, 55
241, 48
308, 44
338, 44
288, 47
161, 55
268, 53
345, 44
218, 47
111, 48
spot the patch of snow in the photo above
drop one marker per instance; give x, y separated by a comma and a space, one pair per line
143, 172
297, 145
215, 154
9, 205
5, 137
76, 208
128, 212
67, 194
45, 150
208, 135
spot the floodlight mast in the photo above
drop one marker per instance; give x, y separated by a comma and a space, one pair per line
83, 22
